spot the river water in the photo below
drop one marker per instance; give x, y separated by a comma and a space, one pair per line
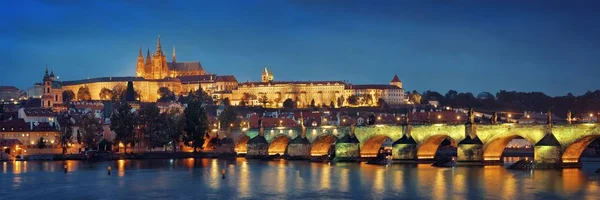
255, 179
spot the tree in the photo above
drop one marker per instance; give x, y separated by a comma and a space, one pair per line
264, 100
78, 137
331, 104
66, 132
123, 124
227, 117
353, 100
105, 94
340, 101
312, 103
226, 102
433, 96
166, 95
83, 94
196, 124
153, 126
415, 97
41, 143
118, 92
68, 96
91, 128
174, 123
205, 99
289, 104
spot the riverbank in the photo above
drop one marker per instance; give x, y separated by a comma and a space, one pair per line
105, 156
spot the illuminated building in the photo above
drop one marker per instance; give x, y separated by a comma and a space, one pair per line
272, 93
154, 72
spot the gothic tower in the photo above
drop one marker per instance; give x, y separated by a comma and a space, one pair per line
159, 63
174, 55
265, 75
139, 70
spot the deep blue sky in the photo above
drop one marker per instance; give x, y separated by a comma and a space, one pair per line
551, 46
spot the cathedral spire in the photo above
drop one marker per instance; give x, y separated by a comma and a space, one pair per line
158, 49
174, 55
148, 57
141, 56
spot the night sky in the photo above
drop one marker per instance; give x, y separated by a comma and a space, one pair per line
552, 46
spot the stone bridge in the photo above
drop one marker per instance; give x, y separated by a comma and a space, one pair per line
560, 145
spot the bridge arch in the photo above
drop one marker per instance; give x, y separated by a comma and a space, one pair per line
241, 144
573, 152
279, 145
372, 145
429, 147
495, 146
322, 144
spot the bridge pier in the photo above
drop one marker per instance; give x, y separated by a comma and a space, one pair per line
404, 150
347, 148
226, 146
299, 147
547, 153
470, 152
258, 147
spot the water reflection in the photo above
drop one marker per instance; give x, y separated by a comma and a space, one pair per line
121, 168
289, 179
244, 181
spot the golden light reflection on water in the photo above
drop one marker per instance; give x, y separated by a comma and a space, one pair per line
244, 180
344, 179
325, 177
459, 183
4, 167
215, 174
189, 163
17, 167
379, 180
121, 168
281, 178
439, 185
572, 180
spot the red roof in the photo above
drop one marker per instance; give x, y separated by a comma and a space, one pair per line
271, 122
395, 79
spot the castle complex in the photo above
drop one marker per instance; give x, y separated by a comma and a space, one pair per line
154, 72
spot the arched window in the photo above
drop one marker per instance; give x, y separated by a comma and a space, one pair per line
55, 97
48, 103
47, 90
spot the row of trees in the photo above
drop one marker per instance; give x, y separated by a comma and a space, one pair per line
162, 129
513, 101
118, 93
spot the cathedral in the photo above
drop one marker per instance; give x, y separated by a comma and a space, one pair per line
156, 66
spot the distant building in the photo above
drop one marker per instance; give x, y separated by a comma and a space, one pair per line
271, 93
52, 91
9, 94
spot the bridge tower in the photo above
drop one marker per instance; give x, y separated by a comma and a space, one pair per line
348, 147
